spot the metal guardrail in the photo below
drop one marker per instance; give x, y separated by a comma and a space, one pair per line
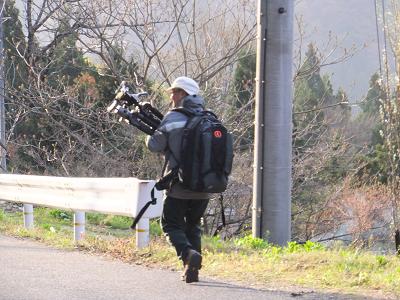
118, 196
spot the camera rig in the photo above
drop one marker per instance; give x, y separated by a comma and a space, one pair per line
132, 110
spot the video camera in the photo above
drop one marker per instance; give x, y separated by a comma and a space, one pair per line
130, 108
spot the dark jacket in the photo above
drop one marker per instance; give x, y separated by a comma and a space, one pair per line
167, 140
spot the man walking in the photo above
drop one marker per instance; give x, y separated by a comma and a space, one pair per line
183, 208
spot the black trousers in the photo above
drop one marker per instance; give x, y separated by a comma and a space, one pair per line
181, 223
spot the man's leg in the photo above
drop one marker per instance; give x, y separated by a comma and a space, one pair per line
192, 257
173, 224
195, 211
180, 219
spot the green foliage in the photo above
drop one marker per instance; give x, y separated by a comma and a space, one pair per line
118, 222
381, 111
335, 168
61, 214
14, 46
311, 246
65, 62
15, 69
308, 246
45, 226
242, 94
213, 243
155, 228
251, 242
390, 119
317, 140
95, 218
375, 164
342, 111
35, 133
381, 260
375, 95
311, 92
50, 227
243, 79
122, 67
292, 247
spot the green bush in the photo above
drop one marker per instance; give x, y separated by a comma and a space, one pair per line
311, 246
214, 243
155, 228
292, 247
381, 260
251, 242
61, 214
50, 227
95, 218
118, 222
308, 246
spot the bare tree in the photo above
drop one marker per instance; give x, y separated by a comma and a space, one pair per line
59, 125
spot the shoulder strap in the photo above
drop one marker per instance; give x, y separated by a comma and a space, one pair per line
153, 201
189, 114
221, 226
184, 111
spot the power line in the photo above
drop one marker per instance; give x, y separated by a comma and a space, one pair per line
385, 45
377, 37
2, 108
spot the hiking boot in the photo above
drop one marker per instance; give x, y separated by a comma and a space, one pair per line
192, 264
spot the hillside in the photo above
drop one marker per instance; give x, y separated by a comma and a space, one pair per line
353, 23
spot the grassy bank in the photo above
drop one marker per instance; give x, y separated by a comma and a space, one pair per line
245, 260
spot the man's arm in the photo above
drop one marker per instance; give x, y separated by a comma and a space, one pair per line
158, 141
173, 122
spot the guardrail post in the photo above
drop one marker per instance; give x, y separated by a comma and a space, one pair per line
142, 233
79, 225
28, 216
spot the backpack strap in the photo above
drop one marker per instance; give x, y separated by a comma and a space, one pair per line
223, 220
166, 181
153, 201
187, 113
184, 111
221, 202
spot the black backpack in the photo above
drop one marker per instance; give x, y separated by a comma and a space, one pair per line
206, 153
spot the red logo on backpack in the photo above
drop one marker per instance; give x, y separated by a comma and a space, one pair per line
217, 134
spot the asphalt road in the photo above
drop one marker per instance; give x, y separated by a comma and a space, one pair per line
30, 270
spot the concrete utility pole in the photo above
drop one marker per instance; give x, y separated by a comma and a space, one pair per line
273, 124
2, 108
